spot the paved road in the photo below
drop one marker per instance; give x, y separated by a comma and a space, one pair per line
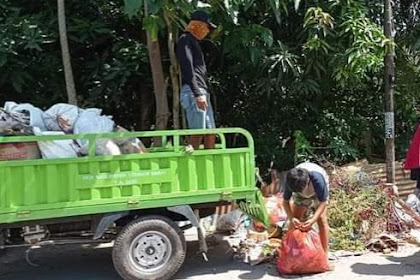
94, 263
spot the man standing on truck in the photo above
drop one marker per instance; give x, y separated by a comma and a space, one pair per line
195, 98
308, 184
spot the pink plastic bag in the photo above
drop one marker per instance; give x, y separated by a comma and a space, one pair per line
302, 253
274, 206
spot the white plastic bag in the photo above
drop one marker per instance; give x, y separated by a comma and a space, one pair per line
103, 147
131, 145
414, 202
56, 148
18, 113
230, 222
91, 121
61, 117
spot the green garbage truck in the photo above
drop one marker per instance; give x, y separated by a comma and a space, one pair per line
135, 199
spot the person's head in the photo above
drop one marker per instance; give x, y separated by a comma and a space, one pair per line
200, 25
297, 179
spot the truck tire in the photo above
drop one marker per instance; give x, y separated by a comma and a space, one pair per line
149, 248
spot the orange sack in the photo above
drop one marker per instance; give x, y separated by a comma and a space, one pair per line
302, 253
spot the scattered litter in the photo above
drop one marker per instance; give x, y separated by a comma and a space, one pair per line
414, 237
254, 252
277, 215
231, 222
409, 211
344, 254
384, 243
257, 236
414, 202
365, 215
274, 206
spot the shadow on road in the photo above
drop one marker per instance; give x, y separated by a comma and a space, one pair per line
409, 265
220, 262
92, 263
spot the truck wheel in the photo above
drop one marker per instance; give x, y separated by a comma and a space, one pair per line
149, 248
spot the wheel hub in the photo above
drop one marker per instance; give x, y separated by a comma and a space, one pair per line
150, 251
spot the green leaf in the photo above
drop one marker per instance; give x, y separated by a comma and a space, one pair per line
17, 82
154, 6
132, 7
268, 37
33, 45
274, 4
248, 5
297, 3
151, 24
3, 59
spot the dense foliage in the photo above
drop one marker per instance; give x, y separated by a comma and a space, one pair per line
305, 77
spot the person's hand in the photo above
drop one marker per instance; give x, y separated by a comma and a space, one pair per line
201, 102
294, 223
306, 226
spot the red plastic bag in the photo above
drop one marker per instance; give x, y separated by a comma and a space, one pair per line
274, 206
302, 253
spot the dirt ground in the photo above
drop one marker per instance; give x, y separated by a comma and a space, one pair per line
93, 262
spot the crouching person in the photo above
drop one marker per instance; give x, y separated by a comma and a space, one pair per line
307, 184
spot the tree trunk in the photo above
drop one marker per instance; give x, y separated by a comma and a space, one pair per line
174, 71
389, 94
162, 111
68, 73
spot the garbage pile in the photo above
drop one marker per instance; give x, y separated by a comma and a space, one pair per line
60, 119
364, 214
293, 252
358, 209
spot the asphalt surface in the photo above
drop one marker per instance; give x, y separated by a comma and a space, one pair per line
93, 262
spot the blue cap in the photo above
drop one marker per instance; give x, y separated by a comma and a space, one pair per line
204, 17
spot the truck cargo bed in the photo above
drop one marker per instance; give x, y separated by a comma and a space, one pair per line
165, 176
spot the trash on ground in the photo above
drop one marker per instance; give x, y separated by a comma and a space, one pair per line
277, 215
384, 243
231, 222
414, 237
414, 202
255, 249
257, 236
